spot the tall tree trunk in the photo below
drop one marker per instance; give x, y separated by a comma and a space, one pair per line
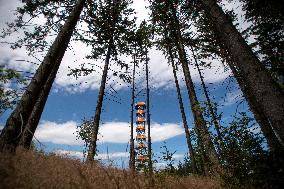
185, 125
12, 131
210, 107
266, 128
132, 154
272, 141
32, 123
96, 122
263, 88
148, 115
200, 123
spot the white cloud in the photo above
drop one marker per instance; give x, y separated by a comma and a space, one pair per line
58, 133
80, 155
111, 132
178, 156
161, 75
161, 132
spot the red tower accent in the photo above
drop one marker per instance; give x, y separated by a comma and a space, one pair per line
141, 156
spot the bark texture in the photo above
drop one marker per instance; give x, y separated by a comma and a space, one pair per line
10, 135
272, 141
265, 91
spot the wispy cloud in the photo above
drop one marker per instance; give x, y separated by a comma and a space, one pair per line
232, 98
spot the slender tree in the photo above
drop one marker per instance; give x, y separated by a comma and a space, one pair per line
15, 124
264, 89
132, 153
144, 43
185, 125
148, 113
109, 28
166, 13
209, 104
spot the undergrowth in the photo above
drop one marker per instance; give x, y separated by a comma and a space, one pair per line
28, 169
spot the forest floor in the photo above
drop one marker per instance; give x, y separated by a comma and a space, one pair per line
28, 169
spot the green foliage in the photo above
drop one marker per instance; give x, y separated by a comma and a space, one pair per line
167, 158
267, 20
84, 131
9, 95
111, 25
246, 161
35, 35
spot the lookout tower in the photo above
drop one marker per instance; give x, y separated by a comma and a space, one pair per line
141, 156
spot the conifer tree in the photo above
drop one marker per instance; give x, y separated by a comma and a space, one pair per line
267, 25
165, 14
109, 27
265, 90
209, 44
17, 121
185, 124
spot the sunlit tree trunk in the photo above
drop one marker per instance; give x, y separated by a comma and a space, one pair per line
33, 121
11, 134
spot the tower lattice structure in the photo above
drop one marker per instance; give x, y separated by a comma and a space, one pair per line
141, 155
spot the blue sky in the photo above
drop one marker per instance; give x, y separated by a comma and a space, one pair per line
71, 100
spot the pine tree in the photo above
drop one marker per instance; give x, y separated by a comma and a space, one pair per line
264, 89
186, 129
165, 14
17, 121
209, 104
267, 25
209, 44
109, 28
132, 152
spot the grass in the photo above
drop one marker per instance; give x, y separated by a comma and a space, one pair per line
28, 169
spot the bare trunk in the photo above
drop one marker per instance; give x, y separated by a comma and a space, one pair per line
132, 155
221, 146
272, 141
185, 125
35, 116
265, 91
12, 131
148, 116
96, 122
200, 123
